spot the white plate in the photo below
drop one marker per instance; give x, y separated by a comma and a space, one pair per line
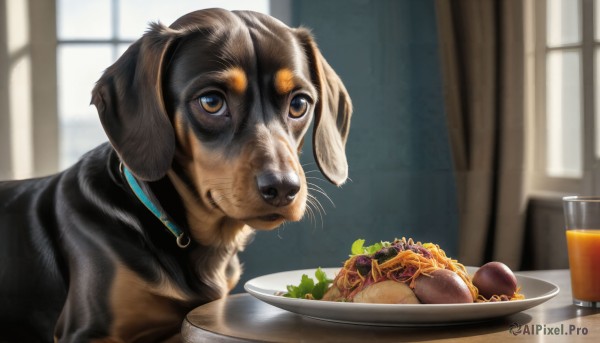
265, 287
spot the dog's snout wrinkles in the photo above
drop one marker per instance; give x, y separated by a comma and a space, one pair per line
278, 189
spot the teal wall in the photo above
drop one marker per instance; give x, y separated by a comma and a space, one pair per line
386, 52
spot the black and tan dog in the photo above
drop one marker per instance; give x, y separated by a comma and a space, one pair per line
205, 120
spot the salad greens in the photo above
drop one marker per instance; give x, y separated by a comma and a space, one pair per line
358, 247
308, 289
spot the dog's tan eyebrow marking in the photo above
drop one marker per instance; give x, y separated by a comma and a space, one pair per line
236, 79
284, 81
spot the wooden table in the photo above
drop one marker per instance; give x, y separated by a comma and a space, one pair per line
242, 318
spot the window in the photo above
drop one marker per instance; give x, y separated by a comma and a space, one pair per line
567, 133
91, 36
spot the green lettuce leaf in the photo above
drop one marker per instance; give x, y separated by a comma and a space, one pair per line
308, 286
358, 247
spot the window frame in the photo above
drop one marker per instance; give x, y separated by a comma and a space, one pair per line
37, 107
114, 43
539, 181
117, 43
41, 155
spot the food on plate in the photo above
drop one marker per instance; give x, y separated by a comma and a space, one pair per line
385, 292
495, 279
308, 289
442, 286
408, 272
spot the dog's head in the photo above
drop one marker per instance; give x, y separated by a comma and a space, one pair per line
225, 98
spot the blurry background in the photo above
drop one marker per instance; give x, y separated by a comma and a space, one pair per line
472, 117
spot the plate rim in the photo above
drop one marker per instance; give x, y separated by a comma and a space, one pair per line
298, 306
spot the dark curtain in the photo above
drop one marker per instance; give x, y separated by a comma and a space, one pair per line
482, 53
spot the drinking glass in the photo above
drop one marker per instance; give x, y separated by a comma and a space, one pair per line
582, 222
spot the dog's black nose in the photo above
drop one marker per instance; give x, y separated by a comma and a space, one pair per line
278, 189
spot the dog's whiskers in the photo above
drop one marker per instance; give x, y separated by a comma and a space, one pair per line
318, 206
320, 190
310, 213
314, 202
316, 186
316, 178
281, 228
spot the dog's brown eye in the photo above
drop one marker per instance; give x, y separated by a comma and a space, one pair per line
213, 104
298, 106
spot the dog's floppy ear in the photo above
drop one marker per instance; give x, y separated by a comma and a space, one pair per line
332, 114
129, 100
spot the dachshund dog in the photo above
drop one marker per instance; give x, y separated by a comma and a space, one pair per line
205, 120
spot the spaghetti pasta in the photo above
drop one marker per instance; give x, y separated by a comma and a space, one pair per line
402, 261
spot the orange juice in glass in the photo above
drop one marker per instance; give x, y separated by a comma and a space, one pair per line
582, 221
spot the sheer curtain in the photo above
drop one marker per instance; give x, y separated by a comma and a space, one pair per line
482, 53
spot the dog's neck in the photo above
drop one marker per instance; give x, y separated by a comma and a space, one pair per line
208, 226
